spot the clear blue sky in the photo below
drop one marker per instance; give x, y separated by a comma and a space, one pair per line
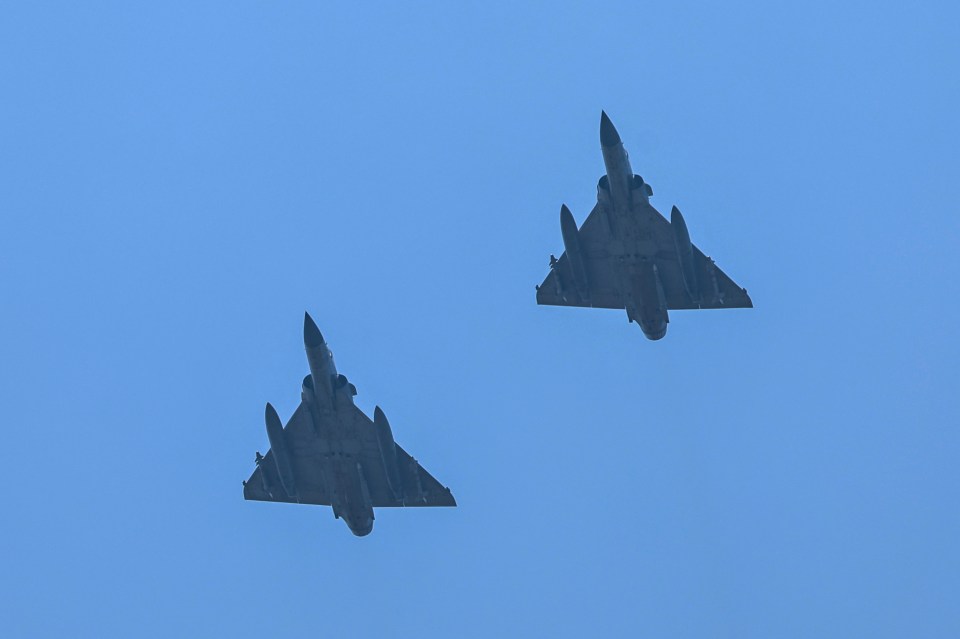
178, 183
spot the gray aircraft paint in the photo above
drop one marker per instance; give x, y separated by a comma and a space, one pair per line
331, 454
628, 256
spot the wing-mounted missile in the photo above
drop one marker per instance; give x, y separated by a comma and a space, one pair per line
557, 277
641, 191
571, 243
388, 452
281, 455
266, 476
718, 294
681, 239
413, 493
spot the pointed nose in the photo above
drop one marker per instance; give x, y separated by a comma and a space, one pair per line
608, 133
311, 334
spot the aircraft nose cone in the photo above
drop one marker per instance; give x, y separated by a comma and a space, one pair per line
311, 334
608, 133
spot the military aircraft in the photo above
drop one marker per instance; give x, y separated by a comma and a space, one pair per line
626, 255
332, 454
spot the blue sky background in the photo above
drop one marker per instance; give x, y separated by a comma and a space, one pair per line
178, 183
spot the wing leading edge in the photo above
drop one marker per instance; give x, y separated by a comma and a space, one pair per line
313, 465
717, 289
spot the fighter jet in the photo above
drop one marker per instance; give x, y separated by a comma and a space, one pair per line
331, 454
626, 255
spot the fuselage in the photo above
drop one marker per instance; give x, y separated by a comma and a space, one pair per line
623, 195
324, 390
323, 370
330, 453
351, 496
617, 163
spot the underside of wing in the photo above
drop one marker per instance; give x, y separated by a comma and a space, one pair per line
265, 485
717, 290
314, 467
558, 289
712, 287
419, 486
